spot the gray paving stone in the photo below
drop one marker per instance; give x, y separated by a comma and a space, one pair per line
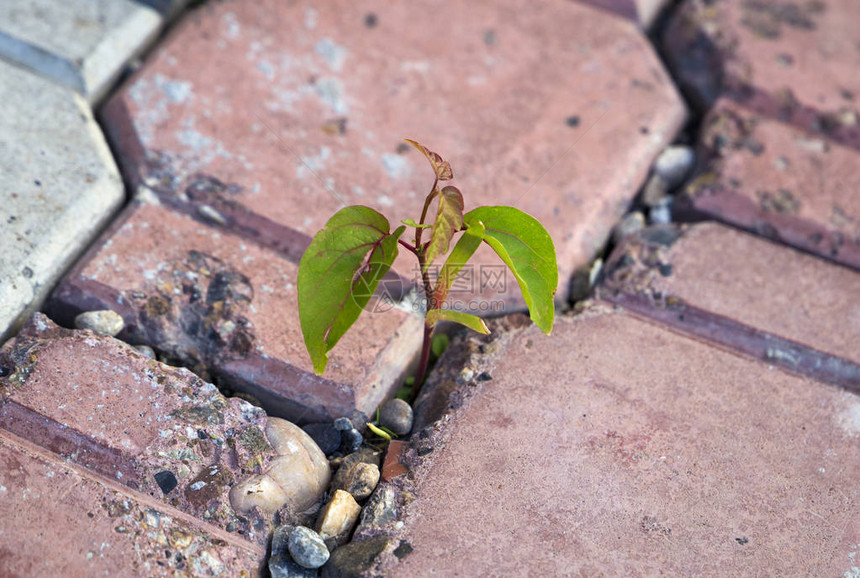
81, 44
59, 186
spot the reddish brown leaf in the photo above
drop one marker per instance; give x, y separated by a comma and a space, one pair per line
441, 167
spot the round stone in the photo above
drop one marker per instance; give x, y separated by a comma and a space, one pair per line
342, 424
396, 415
307, 548
105, 322
146, 350
326, 436
674, 164
351, 440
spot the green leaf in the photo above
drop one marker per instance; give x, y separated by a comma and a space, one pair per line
470, 321
411, 223
449, 220
339, 272
439, 344
459, 256
441, 167
527, 249
379, 431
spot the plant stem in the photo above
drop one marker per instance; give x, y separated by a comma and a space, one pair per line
427, 201
425, 359
408, 246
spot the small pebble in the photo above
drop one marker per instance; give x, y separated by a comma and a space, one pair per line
351, 440
280, 563
358, 474
146, 350
342, 424
337, 518
105, 322
396, 415
307, 548
674, 164
326, 436
631, 223
662, 213
655, 191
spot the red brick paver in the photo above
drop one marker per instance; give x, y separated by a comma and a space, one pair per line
225, 306
616, 447
62, 520
792, 185
303, 107
744, 292
162, 431
782, 142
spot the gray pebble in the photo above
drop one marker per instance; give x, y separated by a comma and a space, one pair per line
674, 164
655, 191
662, 213
342, 424
381, 509
106, 322
325, 435
351, 440
280, 563
396, 415
631, 223
307, 548
146, 350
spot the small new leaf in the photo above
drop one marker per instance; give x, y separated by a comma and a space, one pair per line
412, 223
470, 321
339, 272
449, 220
527, 249
441, 167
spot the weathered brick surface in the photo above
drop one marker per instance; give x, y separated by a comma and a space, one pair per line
767, 53
780, 145
97, 402
791, 185
744, 292
80, 44
226, 307
62, 520
616, 447
59, 185
303, 107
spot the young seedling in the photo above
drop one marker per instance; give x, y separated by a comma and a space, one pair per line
347, 259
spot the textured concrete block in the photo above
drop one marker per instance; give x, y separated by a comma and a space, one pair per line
746, 293
80, 44
617, 447
226, 307
303, 107
59, 186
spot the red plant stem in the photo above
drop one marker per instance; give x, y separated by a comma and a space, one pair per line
432, 303
408, 246
425, 359
419, 230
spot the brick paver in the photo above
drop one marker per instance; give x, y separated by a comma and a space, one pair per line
62, 520
779, 181
226, 307
59, 186
744, 292
80, 44
780, 147
162, 431
302, 107
616, 447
